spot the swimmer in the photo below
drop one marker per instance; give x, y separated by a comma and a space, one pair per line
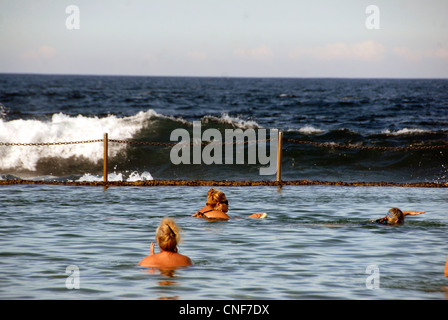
395, 216
209, 204
167, 237
217, 207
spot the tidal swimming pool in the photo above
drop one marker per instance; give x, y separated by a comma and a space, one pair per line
318, 242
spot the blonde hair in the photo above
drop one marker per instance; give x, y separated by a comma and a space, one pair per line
168, 235
215, 196
397, 214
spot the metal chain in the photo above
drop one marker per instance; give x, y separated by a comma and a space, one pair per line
175, 143
10, 144
40, 144
335, 145
317, 144
142, 142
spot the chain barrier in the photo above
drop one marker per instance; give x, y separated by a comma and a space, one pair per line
341, 146
176, 143
279, 182
41, 144
316, 144
143, 142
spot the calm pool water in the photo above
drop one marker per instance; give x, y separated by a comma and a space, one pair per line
318, 242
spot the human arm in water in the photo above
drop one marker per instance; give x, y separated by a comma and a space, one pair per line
258, 215
396, 216
412, 213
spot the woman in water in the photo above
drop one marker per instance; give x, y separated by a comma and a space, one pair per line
395, 216
167, 237
217, 207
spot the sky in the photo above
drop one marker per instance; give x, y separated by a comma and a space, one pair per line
226, 38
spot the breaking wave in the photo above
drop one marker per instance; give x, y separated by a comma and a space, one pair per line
130, 162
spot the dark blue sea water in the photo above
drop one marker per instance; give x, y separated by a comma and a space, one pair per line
383, 113
318, 242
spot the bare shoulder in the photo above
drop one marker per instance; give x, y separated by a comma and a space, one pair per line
148, 261
165, 259
174, 260
183, 260
216, 215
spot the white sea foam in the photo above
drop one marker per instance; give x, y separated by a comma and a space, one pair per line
234, 121
134, 176
95, 178
286, 95
404, 131
64, 128
307, 130
3, 111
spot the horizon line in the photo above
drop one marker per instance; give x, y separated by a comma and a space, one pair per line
222, 76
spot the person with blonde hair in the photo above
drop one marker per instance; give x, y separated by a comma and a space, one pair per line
217, 207
167, 237
212, 201
395, 216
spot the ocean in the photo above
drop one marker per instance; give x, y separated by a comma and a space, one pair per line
318, 241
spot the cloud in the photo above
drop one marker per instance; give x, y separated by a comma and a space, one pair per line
414, 55
259, 53
197, 55
362, 51
441, 53
407, 54
44, 51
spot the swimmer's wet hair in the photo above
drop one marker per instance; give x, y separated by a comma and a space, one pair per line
397, 214
211, 201
214, 197
168, 235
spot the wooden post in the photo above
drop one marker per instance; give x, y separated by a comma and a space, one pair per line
106, 160
279, 156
